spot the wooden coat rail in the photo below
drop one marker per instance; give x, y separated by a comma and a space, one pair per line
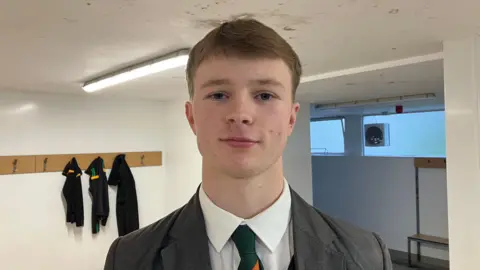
56, 163
434, 163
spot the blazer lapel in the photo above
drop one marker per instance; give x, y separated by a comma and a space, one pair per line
188, 248
185, 255
313, 239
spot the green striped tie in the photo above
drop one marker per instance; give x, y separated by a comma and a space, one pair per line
244, 239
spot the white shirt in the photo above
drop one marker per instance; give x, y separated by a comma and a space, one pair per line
274, 241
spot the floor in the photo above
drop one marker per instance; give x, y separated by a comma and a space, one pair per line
400, 262
401, 267
405, 267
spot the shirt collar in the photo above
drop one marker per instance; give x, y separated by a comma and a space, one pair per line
269, 226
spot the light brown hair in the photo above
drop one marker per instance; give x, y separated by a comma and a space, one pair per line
247, 38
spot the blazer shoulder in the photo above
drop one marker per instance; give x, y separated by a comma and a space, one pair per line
138, 247
364, 248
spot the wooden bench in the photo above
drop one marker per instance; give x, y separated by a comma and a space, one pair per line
423, 238
432, 163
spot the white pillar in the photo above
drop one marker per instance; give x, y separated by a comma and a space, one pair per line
297, 157
353, 136
462, 87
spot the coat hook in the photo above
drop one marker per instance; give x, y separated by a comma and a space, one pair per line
141, 160
45, 164
15, 161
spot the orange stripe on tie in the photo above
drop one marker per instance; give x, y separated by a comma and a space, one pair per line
256, 267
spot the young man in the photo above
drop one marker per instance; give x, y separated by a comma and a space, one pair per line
242, 78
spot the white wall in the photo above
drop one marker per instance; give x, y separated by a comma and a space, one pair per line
378, 194
297, 162
182, 158
31, 208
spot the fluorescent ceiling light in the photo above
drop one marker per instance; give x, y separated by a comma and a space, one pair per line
172, 60
376, 101
22, 108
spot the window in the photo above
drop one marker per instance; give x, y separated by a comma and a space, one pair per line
326, 136
411, 135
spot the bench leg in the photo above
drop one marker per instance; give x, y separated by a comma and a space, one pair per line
419, 254
409, 253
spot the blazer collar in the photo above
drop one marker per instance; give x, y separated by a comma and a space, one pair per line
188, 248
188, 241
313, 238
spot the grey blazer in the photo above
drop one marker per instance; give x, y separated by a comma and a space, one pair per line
179, 242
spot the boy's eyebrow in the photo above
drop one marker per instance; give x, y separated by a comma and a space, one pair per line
215, 82
271, 82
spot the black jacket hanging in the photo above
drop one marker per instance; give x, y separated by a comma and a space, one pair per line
72, 192
127, 205
98, 189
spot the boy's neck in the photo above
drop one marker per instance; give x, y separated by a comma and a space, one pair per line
244, 198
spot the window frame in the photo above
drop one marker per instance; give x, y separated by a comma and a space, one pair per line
393, 113
320, 119
390, 113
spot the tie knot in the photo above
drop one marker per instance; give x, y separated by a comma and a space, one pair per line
244, 239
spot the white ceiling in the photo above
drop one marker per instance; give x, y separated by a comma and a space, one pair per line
55, 45
425, 77
420, 78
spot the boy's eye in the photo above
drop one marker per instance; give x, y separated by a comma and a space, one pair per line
265, 96
217, 96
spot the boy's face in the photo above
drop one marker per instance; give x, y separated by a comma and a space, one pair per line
242, 113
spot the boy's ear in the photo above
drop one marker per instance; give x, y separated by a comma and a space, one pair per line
189, 116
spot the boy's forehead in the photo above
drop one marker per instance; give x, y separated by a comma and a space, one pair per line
230, 71
222, 65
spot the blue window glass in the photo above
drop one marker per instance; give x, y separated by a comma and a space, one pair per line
327, 136
411, 135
